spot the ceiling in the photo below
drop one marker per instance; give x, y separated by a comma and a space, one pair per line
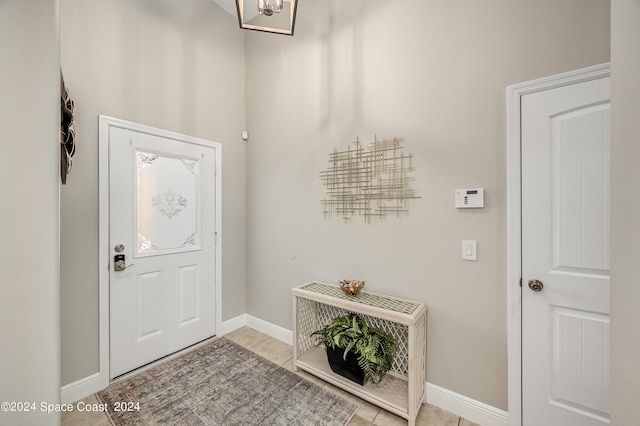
227, 5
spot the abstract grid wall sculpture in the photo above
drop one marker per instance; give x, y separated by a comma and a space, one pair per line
370, 182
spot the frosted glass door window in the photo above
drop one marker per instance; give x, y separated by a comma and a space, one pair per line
167, 205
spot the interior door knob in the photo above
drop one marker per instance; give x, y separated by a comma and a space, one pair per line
535, 285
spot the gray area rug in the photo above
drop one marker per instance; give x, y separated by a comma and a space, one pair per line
222, 383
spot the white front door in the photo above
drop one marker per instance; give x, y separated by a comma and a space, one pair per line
565, 255
162, 230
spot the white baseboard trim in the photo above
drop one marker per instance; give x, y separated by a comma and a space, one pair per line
233, 324
82, 388
257, 324
269, 329
470, 409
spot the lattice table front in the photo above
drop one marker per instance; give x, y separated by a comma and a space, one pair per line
402, 391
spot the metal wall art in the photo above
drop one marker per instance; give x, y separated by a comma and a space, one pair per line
368, 182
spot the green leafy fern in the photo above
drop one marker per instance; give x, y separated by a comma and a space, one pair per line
375, 348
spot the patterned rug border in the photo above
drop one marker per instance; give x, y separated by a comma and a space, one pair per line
179, 373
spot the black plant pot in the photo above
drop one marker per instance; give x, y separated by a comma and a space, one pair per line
348, 368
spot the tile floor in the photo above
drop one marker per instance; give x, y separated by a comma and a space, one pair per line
281, 353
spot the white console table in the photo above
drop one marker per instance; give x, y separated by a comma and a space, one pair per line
402, 391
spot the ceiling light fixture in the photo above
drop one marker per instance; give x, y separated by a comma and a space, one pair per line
272, 16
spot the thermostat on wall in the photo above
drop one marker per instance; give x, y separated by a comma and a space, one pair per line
472, 198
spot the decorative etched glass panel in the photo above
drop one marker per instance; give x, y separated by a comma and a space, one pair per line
167, 205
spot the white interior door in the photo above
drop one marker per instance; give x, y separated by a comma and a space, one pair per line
162, 220
565, 255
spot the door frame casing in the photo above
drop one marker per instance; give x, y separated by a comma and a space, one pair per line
514, 221
105, 123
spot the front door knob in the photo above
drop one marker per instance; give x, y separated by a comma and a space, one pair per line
535, 285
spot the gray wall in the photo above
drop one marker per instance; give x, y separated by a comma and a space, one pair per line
40, 301
625, 199
29, 189
176, 65
437, 77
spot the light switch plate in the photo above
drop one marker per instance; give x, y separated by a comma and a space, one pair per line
469, 250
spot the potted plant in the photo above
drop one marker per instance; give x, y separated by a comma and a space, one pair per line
348, 338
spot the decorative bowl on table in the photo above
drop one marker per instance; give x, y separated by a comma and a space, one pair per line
351, 287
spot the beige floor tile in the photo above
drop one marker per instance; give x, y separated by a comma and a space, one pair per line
307, 376
359, 421
430, 415
465, 422
274, 350
246, 337
83, 418
288, 365
385, 418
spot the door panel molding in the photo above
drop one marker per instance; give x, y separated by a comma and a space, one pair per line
514, 227
578, 383
105, 126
